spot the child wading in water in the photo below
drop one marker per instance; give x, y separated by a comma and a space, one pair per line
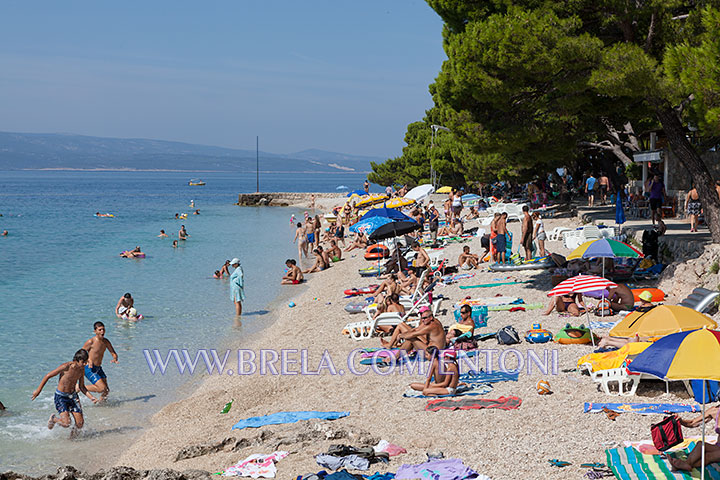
96, 347
66, 398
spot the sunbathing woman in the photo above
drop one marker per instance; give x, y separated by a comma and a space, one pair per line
319, 264
566, 303
446, 376
712, 450
360, 241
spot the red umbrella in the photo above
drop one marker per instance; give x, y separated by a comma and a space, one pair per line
582, 284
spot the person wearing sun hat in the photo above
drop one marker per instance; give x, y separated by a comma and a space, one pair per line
237, 285
645, 300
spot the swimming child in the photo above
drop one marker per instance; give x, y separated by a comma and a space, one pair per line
66, 397
96, 347
162, 234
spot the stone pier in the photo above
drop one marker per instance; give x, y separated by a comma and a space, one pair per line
279, 199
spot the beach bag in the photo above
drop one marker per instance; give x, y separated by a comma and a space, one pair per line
667, 433
507, 336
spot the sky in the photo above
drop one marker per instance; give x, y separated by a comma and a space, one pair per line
340, 75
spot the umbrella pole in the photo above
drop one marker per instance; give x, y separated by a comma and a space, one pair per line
702, 454
592, 336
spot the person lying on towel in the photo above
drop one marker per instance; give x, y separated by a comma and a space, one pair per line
712, 450
443, 376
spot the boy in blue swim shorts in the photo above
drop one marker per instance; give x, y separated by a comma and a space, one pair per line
67, 401
94, 373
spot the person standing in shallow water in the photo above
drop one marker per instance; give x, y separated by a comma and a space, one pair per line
237, 286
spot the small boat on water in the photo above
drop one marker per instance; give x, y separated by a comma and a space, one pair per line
196, 182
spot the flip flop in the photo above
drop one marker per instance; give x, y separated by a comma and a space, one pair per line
558, 463
592, 465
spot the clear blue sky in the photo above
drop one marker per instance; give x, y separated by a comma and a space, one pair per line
339, 75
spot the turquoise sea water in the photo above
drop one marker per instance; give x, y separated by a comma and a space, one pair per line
60, 272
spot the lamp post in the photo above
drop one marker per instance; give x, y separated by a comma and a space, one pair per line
434, 179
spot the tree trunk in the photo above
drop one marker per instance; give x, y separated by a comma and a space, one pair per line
695, 165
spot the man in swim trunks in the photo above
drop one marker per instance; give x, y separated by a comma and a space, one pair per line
334, 251
422, 259
66, 398
464, 325
430, 333
325, 256
444, 371
468, 260
96, 347
604, 183
294, 275
125, 302
501, 239
310, 233
527, 233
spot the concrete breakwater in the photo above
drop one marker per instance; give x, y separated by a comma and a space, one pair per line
279, 199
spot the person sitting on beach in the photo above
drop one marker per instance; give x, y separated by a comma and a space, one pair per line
96, 347
566, 303
136, 252
464, 325
455, 228
621, 298
66, 397
468, 260
473, 214
325, 256
334, 251
319, 264
391, 303
712, 450
182, 234
444, 371
225, 270
162, 234
429, 333
360, 241
408, 281
422, 259
387, 287
645, 302
294, 275
126, 302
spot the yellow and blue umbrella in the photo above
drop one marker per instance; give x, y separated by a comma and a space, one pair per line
683, 356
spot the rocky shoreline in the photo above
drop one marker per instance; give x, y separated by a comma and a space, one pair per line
115, 473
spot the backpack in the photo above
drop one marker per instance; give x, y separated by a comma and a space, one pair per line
507, 336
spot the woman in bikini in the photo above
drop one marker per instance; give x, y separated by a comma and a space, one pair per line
566, 303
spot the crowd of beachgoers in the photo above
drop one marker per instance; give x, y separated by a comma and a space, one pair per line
519, 376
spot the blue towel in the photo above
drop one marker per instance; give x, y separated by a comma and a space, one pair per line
643, 408
488, 377
286, 417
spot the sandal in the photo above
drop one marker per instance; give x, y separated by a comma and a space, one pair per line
558, 463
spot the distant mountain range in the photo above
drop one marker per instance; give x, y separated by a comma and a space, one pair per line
20, 151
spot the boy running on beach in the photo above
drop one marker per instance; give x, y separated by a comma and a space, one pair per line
66, 398
96, 347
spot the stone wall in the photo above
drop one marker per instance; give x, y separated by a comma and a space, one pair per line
678, 177
279, 199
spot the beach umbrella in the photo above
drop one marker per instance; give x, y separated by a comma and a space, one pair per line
420, 193
357, 192
444, 189
619, 210
693, 355
604, 248
390, 213
470, 198
661, 320
369, 225
395, 229
582, 284
342, 187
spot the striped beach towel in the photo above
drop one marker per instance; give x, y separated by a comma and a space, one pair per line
629, 464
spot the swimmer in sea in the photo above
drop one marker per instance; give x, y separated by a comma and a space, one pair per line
162, 234
66, 397
294, 275
177, 216
136, 252
175, 244
125, 303
182, 234
196, 212
94, 373
192, 203
217, 274
4, 233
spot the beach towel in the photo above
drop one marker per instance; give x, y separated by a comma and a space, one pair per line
642, 408
503, 403
286, 417
462, 390
334, 462
648, 447
512, 307
445, 469
489, 301
613, 359
597, 325
481, 376
629, 464
256, 466
390, 448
